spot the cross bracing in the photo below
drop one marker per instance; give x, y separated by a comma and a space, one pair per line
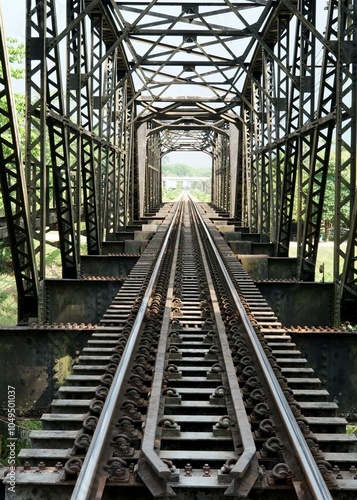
266, 88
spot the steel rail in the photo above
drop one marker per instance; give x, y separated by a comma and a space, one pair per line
148, 441
249, 454
248, 457
86, 477
316, 483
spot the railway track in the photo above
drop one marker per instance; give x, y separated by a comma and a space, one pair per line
190, 387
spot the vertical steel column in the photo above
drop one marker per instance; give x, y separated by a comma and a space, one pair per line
72, 111
280, 116
313, 171
147, 171
13, 188
214, 166
112, 105
215, 179
292, 152
224, 173
319, 151
255, 178
59, 147
36, 131
97, 75
132, 166
267, 181
219, 186
135, 208
345, 223
123, 178
236, 169
80, 112
45, 126
247, 168
153, 169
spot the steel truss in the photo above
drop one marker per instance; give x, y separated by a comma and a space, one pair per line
320, 133
90, 136
13, 186
45, 113
268, 92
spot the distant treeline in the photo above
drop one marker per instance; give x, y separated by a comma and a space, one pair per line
182, 170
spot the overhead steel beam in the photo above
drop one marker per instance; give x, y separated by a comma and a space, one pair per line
188, 63
189, 32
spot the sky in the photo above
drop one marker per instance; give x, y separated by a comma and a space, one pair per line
13, 12
192, 158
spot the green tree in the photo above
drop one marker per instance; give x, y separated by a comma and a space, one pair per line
329, 202
184, 170
328, 213
16, 52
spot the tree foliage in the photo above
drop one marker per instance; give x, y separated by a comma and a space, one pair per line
183, 170
328, 213
329, 201
16, 53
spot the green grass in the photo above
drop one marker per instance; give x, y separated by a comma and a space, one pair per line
324, 258
201, 196
8, 291
8, 300
173, 194
53, 263
22, 431
32, 425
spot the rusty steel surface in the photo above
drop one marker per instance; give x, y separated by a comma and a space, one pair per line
266, 89
262, 88
195, 411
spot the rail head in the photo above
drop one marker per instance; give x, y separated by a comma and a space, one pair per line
248, 456
317, 485
148, 442
86, 478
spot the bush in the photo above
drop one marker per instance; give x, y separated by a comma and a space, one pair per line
5, 260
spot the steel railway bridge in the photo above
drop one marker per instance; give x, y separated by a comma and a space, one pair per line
267, 89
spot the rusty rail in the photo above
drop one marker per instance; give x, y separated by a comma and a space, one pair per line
317, 485
147, 447
83, 489
247, 463
248, 459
